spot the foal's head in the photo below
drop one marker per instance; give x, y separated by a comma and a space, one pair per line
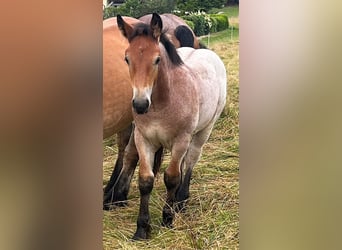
143, 58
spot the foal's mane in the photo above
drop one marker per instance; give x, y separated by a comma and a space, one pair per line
142, 29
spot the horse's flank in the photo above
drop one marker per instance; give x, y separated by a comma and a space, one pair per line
117, 90
170, 24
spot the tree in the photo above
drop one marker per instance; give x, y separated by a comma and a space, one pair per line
138, 8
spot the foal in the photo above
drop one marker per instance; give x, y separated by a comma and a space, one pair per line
117, 96
177, 98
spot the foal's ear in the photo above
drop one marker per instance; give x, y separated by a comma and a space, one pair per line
124, 27
156, 26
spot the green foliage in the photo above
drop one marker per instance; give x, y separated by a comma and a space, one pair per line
190, 5
195, 5
138, 8
109, 12
231, 11
213, 27
190, 23
201, 25
222, 21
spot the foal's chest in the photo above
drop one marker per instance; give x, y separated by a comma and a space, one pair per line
157, 133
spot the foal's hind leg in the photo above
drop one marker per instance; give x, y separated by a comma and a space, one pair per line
172, 177
190, 159
117, 189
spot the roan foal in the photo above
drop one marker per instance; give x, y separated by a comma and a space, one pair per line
177, 97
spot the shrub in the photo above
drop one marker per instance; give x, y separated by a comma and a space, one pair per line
138, 8
191, 24
222, 21
213, 27
194, 5
201, 23
110, 12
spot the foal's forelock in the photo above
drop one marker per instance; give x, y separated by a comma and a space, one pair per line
143, 29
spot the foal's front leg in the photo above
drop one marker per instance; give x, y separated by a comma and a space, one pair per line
146, 179
172, 177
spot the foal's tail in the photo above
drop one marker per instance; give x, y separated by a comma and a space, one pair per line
184, 36
158, 159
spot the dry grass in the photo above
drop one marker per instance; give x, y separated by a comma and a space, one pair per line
211, 220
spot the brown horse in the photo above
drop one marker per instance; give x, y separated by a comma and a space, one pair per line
117, 96
117, 108
177, 97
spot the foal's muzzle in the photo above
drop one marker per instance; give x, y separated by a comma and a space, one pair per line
141, 106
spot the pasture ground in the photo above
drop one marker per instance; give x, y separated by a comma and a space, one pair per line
211, 220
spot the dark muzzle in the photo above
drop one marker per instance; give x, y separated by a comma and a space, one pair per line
141, 106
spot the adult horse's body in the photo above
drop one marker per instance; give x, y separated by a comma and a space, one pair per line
117, 96
177, 31
117, 90
117, 107
177, 98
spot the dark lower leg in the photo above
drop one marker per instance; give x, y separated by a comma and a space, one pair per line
189, 162
121, 177
172, 183
122, 142
158, 159
119, 192
143, 222
182, 193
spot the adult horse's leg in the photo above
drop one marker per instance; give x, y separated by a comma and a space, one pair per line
190, 159
172, 177
118, 186
146, 181
122, 141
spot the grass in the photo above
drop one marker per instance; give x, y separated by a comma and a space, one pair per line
211, 220
225, 36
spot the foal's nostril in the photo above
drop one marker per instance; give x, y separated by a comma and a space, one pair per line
140, 105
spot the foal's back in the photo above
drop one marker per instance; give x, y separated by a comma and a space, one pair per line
210, 80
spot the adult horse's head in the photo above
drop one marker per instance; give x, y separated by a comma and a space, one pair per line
143, 57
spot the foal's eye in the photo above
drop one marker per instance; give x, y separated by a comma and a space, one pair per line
157, 61
126, 59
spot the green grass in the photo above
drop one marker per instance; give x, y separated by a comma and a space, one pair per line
226, 36
211, 220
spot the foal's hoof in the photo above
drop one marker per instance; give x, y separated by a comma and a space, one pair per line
114, 198
109, 206
168, 216
167, 222
141, 234
106, 207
